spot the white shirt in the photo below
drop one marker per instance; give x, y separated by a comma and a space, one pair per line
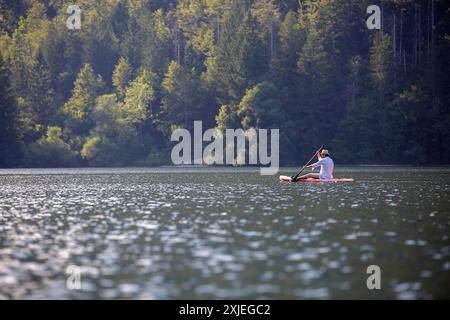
326, 167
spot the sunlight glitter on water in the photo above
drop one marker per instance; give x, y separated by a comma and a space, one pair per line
223, 233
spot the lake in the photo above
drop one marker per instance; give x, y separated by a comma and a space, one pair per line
200, 233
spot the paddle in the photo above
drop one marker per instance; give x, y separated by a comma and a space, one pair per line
294, 178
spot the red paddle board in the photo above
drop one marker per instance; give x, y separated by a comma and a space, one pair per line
289, 179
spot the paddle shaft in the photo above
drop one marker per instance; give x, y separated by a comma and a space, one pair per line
307, 164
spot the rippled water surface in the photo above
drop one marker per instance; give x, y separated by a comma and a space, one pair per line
223, 233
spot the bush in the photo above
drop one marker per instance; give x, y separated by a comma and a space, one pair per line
120, 150
51, 151
100, 151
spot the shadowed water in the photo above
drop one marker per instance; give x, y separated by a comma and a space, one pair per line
223, 233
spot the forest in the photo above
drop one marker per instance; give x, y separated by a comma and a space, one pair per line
111, 92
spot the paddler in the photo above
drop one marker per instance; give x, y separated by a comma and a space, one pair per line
326, 165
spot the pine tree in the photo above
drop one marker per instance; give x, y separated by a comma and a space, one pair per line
176, 102
9, 149
371, 92
291, 42
261, 107
122, 76
139, 97
20, 56
239, 59
78, 109
381, 65
267, 16
41, 92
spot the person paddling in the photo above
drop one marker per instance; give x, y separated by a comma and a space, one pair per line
326, 165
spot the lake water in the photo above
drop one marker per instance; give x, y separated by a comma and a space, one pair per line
223, 233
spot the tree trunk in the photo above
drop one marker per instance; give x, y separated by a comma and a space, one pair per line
428, 28
404, 62
419, 43
271, 36
416, 41
432, 53
218, 28
394, 47
185, 115
401, 37
394, 39
177, 46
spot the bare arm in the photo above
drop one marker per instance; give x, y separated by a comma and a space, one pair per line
315, 165
312, 166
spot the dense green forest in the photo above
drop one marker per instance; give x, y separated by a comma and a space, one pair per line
110, 93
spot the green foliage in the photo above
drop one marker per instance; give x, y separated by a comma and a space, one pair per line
183, 97
108, 115
313, 61
148, 41
156, 157
113, 91
122, 76
114, 141
261, 107
291, 40
139, 97
79, 107
117, 151
359, 140
91, 148
9, 148
239, 59
381, 62
227, 117
50, 150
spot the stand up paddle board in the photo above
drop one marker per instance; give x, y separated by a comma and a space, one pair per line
289, 179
